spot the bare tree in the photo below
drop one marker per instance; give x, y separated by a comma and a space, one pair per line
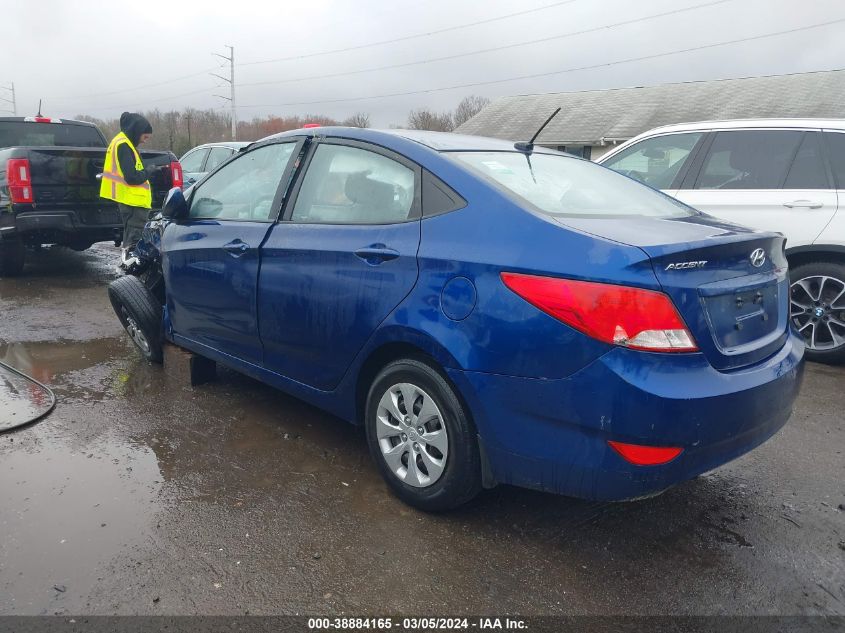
425, 119
359, 119
468, 108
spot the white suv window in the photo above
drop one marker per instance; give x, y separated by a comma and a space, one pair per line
749, 159
655, 161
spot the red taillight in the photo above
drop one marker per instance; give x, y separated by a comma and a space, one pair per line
307, 125
19, 177
176, 174
645, 455
620, 315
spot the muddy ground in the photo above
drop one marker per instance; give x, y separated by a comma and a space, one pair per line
142, 495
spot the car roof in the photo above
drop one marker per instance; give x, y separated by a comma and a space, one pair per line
836, 124
231, 144
437, 141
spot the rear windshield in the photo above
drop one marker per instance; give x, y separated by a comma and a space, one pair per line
31, 134
564, 186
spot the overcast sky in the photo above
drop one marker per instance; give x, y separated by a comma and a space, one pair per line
105, 57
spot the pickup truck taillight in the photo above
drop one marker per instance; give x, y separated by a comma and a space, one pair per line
19, 177
176, 174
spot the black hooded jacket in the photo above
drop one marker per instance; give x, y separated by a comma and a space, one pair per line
133, 125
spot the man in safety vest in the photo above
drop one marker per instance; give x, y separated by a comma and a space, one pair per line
126, 181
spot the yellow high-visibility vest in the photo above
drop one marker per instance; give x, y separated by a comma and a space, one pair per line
114, 186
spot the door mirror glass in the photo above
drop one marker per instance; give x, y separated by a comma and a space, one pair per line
175, 206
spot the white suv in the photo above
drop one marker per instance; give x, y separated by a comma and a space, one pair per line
785, 175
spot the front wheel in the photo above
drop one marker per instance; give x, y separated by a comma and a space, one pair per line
140, 314
421, 438
817, 309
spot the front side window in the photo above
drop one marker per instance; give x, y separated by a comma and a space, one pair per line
655, 161
245, 188
349, 185
749, 159
563, 186
192, 161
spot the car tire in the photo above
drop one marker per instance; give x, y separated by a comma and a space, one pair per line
12, 257
817, 309
446, 468
140, 314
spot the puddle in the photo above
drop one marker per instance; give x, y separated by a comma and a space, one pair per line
22, 400
65, 513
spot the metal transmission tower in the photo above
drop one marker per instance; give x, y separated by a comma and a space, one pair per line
231, 82
12, 100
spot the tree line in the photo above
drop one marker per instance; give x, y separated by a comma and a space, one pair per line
179, 131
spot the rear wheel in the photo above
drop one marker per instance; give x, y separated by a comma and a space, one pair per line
817, 308
421, 438
12, 257
140, 314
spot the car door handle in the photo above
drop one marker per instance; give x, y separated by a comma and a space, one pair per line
236, 248
376, 254
805, 204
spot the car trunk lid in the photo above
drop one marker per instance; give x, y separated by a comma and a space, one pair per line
729, 283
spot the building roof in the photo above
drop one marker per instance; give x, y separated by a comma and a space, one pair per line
597, 116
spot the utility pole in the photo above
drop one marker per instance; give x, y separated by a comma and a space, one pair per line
12, 100
231, 82
188, 118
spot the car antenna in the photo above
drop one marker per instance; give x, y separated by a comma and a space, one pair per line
39, 109
528, 147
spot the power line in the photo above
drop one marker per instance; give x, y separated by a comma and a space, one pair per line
554, 72
409, 37
489, 50
320, 53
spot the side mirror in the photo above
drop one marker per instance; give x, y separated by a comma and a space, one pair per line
175, 206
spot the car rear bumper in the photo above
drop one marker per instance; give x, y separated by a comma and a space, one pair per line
552, 434
95, 224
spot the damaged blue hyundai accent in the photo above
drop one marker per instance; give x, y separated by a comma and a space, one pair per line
490, 312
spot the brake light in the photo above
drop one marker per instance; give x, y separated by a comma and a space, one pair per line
645, 455
619, 315
41, 119
309, 125
19, 178
176, 174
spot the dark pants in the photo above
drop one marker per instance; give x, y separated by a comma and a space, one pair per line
134, 219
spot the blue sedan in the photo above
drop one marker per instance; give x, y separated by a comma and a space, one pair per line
490, 313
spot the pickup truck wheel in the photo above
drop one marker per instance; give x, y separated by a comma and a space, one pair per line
817, 309
421, 438
140, 314
12, 257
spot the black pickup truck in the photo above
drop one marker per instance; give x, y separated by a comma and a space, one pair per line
50, 187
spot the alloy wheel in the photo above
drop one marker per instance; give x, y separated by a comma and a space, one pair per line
817, 308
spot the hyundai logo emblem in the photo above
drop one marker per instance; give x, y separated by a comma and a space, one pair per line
757, 257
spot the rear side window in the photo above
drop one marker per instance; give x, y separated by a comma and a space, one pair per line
655, 161
808, 170
836, 147
749, 159
349, 185
31, 134
217, 156
192, 161
438, 197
